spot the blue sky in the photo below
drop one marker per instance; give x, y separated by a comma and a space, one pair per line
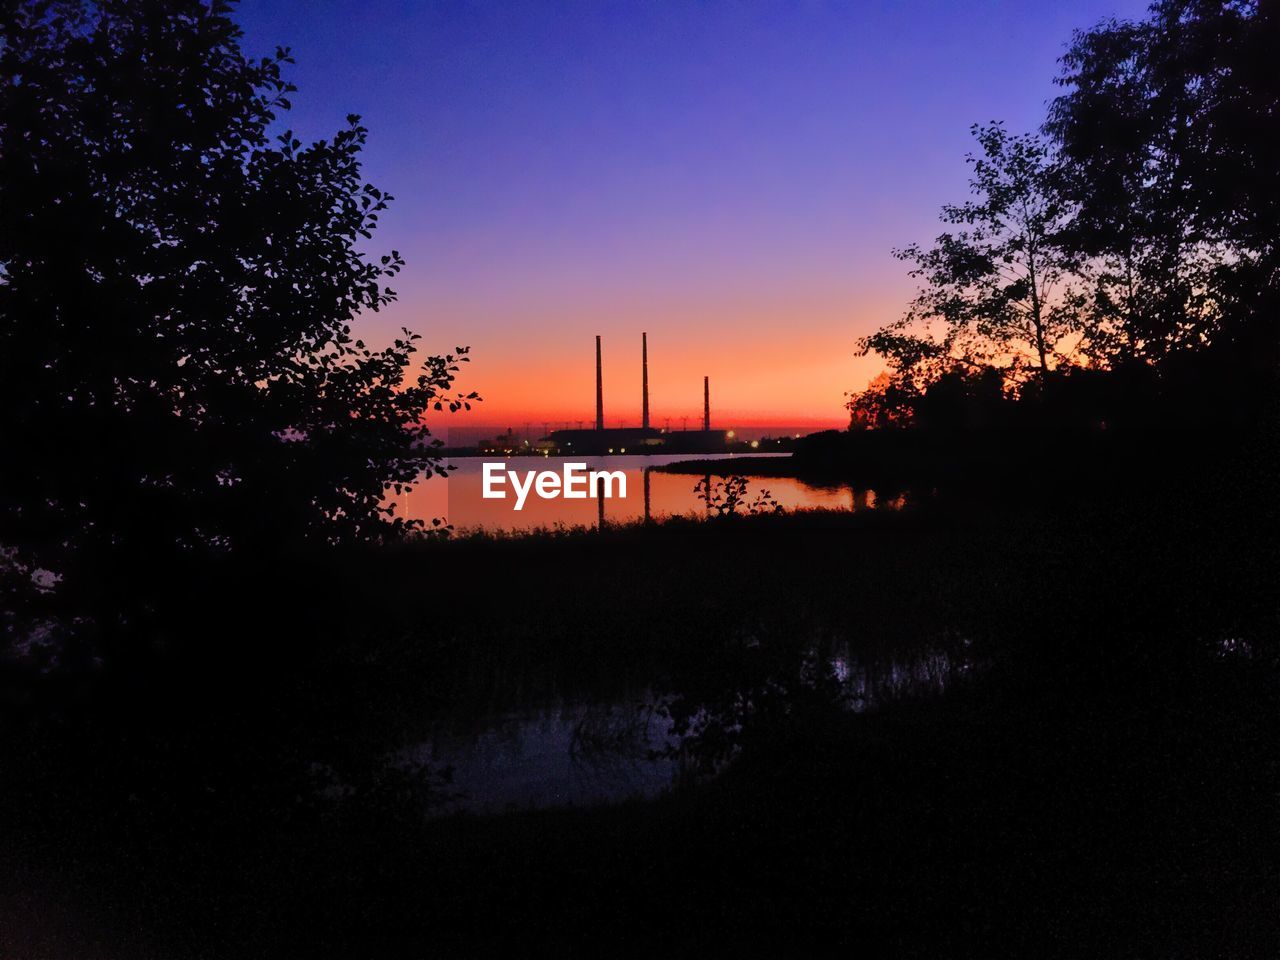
728, 176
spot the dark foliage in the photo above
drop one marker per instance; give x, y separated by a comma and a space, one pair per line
1135, 241
1102, 785
992, 296
1167, 134
178, 373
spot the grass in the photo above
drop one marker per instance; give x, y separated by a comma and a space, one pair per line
1104, 787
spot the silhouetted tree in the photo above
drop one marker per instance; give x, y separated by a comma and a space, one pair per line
1161, 132
992, 294
884, 403
1155, 212
178, 373
959, 401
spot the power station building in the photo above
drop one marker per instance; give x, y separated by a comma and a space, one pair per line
642, 439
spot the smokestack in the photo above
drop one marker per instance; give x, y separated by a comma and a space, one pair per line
706, 403
599, 388
644, 363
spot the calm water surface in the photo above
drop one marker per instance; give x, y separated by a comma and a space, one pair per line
601, 746
651, 494
580, 752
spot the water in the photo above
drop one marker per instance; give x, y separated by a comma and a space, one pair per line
543, 746
651, 494
516, 738
572, 751
552, 755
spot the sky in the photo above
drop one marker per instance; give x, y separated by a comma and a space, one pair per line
730, 177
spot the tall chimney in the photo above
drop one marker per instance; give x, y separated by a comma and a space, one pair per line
706, 403
599, 388
644, 364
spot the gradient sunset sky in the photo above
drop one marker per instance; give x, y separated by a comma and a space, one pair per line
729, 177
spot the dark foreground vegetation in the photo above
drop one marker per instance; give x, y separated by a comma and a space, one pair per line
217, 641
1101, 782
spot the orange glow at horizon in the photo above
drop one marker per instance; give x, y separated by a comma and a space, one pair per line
769, 366
730, 178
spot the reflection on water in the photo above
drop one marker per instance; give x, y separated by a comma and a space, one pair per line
651, 494
575, 753
512, 737
563, 754
927, 673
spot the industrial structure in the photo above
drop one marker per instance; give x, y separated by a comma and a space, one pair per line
642, 439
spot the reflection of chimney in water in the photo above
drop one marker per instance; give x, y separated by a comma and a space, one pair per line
599, 388
646, 495
706, 403
644, 365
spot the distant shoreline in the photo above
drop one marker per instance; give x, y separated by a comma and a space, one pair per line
472, 454
768, 465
